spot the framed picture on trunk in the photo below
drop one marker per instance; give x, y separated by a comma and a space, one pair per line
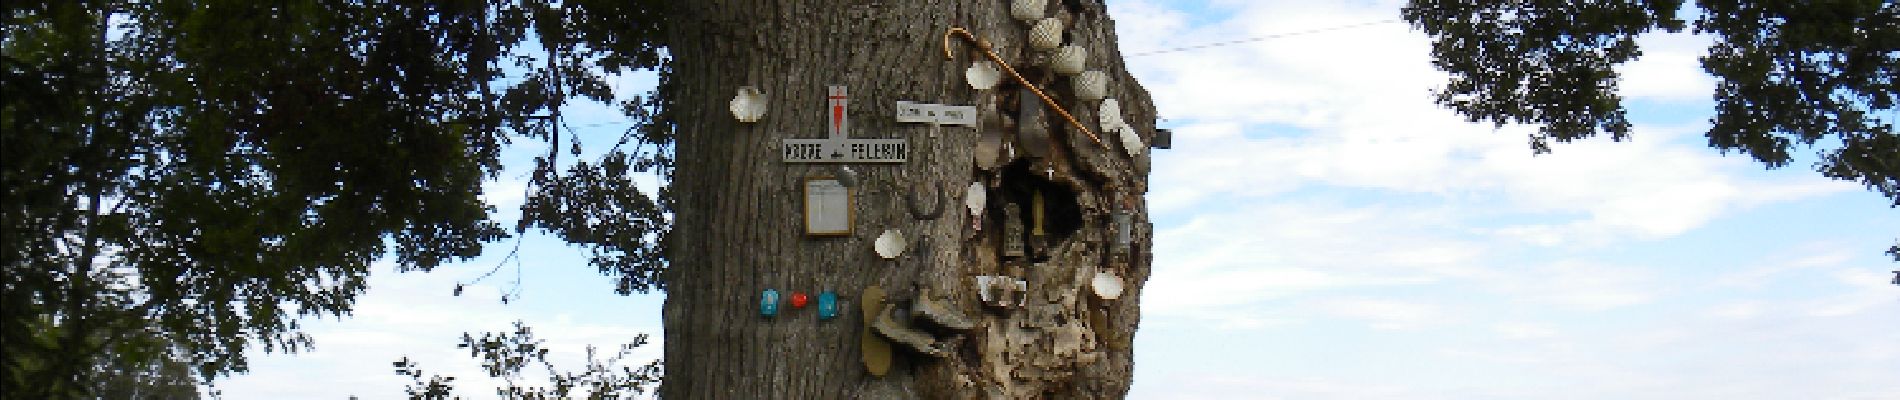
828, 207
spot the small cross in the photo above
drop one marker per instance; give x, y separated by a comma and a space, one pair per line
836, 102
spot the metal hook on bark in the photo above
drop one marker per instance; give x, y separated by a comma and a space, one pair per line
935, 210
1046, 100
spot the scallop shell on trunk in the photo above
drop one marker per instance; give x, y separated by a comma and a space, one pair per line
1069, 60
1131, 141
1106, 285
1046, 35
1111, 115
1027, 10
1090, 85
890, 244
749, 105
975, 198
982, 75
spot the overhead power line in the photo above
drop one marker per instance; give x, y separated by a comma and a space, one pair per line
1261, 38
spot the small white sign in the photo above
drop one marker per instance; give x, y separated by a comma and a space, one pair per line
845, 150
827, 207
936, 114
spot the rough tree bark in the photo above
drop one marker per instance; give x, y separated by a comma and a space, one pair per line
738, 219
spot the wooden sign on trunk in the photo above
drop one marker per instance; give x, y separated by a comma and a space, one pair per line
838, 147
936, 114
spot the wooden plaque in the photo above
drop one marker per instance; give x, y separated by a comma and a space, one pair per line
940, 114
828, 207
838, 146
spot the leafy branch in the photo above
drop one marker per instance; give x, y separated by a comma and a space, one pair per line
507, 355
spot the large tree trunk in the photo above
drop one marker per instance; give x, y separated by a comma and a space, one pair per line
738, 228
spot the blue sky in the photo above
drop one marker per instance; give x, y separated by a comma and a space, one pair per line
1326, 232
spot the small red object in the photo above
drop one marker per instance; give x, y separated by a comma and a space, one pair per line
798, 299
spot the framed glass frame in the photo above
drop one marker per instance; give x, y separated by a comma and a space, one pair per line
829, 207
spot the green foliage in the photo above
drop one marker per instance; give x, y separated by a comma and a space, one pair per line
1813, 73
505, 355
424, 385
143, 376
1543, 62
1804, 71
194, 176
599, 205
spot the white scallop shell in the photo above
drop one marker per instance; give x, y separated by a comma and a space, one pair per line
974, 198
1111, 115
1132, 142
1046, 35
1069, 60
1028, 10
1106, 285
1090, 85
982, 75
748, 105
890, 244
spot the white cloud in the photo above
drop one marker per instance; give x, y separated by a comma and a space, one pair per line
1579, 285
1869, 291
414, 315
1237, 386
1524, 330
1312, 180
1812, 257
506, 195
1740, 310
1384, 314
1264, 118
1276, 250
1669, 69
